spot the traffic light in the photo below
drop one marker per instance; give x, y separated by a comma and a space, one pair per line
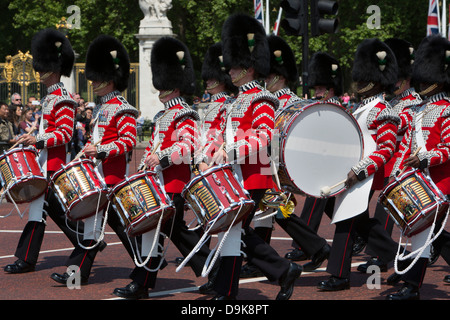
320, 24
295, 22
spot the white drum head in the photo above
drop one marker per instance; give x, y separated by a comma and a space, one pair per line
322, 144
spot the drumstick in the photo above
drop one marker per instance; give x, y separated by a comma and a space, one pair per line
325, 191
413, 155
153, 152
220, 150
80, 154
15, 144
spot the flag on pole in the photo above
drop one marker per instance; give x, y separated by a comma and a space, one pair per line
259, 11
433, 23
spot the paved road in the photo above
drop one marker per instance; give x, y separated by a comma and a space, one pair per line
113, 266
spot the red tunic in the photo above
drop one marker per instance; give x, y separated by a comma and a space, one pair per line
399, 105
436, 134
212, 127
252, 119
116, 120
58, 113
178, 135
384, 123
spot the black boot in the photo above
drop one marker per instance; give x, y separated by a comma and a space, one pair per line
132, 291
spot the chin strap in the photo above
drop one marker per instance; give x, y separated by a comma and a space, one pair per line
428, 90
366, 88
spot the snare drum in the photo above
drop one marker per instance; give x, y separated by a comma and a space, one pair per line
80, 189
217, 198
413, 200
21, 174
140, 201
318, 145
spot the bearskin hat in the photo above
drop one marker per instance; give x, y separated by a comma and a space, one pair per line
324, 70
432, 60
375, 62
213, 67
172, 66
282, 59
404, 53
245, 44
106, 60
52, 51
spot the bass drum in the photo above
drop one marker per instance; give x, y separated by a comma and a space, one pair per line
318, 144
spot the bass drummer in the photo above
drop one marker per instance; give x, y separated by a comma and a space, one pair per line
52, 57
325, 77
404, 102
113, 137
375, 72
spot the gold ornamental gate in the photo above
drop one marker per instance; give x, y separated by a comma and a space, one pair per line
18, 76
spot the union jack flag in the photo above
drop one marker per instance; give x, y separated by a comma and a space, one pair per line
433, 22
258, 10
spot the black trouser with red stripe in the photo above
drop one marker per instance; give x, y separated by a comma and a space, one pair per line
385, 220
33, 234
259, 253
375, 235
184, 239
84, 258
303, 230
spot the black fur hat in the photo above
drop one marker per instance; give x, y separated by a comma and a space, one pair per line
324, 70
432, 61
106, 60
172, 66
245, 44
213, 67
282, 59
404, 53
375, 62
52, 51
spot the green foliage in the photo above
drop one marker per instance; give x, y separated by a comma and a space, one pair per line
198, 23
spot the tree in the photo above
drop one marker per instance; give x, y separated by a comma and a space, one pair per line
198, 24
114, 17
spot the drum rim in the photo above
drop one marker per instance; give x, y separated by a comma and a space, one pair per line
224, 212
89, 193
203, 174
71, 164
126, 179
288, 125
17, 149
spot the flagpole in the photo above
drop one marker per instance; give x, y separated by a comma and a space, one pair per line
267, 18
444, 19
277, 23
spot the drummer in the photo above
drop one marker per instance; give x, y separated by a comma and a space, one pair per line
52, 57
243, 39
375, 72
113, 138
431, 73
169, 153
218, 84
325, 77
404, 102
283, 76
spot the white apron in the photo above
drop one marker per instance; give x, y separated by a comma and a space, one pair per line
355, 200
36, 210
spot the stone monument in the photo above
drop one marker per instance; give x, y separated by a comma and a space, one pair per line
153, 26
